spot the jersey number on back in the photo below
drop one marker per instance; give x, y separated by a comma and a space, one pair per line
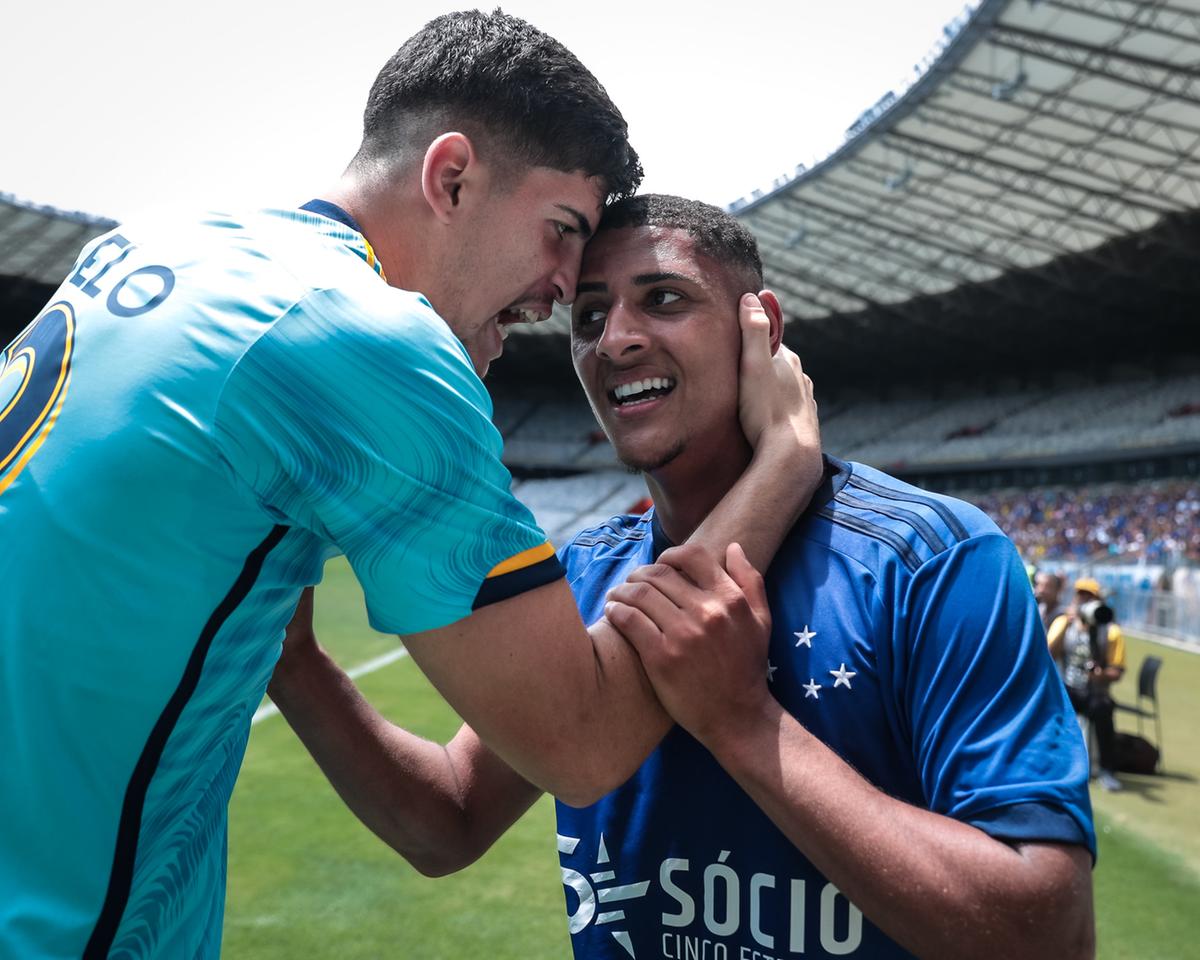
33, 384
37, 365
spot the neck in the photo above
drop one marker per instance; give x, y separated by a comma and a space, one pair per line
686, 490
378, 204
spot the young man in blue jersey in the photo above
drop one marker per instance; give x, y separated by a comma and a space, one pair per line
876, 760
209, 409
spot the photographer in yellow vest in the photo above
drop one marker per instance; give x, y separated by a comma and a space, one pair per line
1090, 650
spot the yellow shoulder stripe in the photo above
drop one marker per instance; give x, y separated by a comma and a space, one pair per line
526, 558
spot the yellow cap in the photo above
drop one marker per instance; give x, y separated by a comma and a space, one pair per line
1088, 585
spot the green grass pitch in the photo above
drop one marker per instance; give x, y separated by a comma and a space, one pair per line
306, 880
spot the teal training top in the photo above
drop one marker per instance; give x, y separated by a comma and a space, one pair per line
201, 417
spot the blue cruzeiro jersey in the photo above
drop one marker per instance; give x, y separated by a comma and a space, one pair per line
204, 413
905, 637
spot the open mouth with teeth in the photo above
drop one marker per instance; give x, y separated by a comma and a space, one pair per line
506, 318
640, 391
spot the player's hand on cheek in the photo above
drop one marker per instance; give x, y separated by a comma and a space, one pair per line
702, 632
775, 402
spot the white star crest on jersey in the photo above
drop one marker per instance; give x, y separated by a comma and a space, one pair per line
588, 897
771, 672
811, 688
805, 636
843, 677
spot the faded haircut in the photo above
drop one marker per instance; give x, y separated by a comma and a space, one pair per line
520, 95
716, 233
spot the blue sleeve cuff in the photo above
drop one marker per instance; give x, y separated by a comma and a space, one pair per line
1034, 822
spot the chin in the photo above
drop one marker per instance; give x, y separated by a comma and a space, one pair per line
481, 365
647, 461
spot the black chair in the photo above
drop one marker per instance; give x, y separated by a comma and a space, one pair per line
1147, 691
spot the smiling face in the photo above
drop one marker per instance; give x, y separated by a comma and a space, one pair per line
655, 341
519, 253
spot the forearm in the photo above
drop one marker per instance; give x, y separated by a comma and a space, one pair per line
569, 709
939, 887
421, 798
767, 500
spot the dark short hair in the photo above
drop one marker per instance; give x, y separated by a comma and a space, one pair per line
715, 232
503, 82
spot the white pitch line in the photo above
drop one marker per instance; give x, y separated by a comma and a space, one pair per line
370, 666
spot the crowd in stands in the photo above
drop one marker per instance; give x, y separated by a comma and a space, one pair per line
1155, 523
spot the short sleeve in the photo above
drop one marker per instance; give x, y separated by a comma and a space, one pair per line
1054, 635
1115, 654
366, 424
995, 740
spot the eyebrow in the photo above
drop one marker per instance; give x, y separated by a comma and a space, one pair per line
585, 228
641, 280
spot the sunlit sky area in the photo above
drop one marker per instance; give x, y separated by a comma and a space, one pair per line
115, 108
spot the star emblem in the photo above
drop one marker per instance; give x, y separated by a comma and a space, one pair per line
843, 677
594, 898
811, 688
771, 668
805, 636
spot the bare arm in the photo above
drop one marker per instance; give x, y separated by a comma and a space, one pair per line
440, 807
939, 887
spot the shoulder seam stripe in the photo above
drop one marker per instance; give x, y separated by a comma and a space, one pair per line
120, 881
868, 529
914, 520
947, 516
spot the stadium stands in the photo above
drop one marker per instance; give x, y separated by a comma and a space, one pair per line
566, 505
1153, 522
909, 432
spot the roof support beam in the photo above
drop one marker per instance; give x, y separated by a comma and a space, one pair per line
1017, 295
969, 162
1055, 50
848, 266
930, 237
1152, 28
967, 217
980, 204
1073, 153
1051, 102
1007, 30
970, 334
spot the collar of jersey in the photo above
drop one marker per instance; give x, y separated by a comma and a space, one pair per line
331, 211
837, 472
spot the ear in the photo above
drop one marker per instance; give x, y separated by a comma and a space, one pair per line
774, 313
448, 162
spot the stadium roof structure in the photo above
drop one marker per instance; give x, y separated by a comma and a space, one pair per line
1035, 190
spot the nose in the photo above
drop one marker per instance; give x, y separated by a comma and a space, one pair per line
566, 275
624, 333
